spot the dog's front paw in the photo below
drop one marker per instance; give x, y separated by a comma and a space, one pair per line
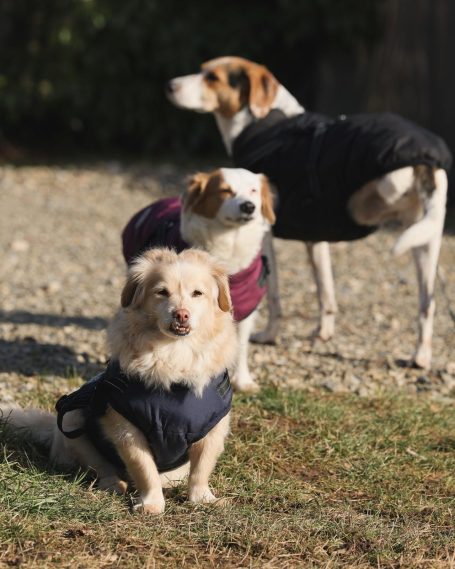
245, 384
113, 484
422, 357
326, 329
250, 387
266, 337
203, 495
153, 507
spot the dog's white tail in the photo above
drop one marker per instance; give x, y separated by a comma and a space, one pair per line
37, 424
431, 223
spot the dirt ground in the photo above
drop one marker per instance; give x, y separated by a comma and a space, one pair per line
62, 273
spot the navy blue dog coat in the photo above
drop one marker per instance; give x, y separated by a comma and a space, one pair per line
317, 163
170, 420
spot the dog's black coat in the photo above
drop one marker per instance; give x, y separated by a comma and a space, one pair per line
170, 420
317, 163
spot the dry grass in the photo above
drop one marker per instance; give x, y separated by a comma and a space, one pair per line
313, 481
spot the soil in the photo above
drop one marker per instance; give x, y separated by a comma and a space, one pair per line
62, 273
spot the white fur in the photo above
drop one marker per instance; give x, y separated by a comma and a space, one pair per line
287, 103
319, 255
431, 224
230, 128
243, 380
187, 93
394, 184
233, 242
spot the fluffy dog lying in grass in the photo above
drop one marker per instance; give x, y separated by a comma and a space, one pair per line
163, 403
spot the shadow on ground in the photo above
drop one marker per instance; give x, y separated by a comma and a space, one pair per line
29, 357
55, 320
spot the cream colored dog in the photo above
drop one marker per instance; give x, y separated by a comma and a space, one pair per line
173, 335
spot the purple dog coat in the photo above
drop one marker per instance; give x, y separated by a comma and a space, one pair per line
158, 225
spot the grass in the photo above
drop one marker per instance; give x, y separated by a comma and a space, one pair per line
313, 480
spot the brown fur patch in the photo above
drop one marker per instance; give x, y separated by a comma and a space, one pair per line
267, 201
206, 195
424, 178
195, 188
224, 297
230, 96
237, 82
367, 207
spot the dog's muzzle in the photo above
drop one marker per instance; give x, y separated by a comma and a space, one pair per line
180, 325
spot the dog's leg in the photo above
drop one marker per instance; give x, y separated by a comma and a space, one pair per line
268, 336
68, 453
426, 260
242, 380
203, 457
134, 451
107, 476
319, 254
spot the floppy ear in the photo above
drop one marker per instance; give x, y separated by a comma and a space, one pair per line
267, 201
224, 296
263, 88
196, 187
133, 291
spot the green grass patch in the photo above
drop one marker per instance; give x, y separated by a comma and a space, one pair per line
313, 481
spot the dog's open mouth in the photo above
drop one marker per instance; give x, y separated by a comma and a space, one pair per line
179, 329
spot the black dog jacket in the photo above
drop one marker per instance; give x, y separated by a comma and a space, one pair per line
170, 420
317, 163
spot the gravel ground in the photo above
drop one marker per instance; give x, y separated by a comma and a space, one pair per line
62, 273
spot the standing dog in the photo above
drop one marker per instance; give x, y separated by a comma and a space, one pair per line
226, 213
163, 403
337, 180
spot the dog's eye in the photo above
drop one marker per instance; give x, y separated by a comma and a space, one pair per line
196, 293
226, 191
163, 292
253, 190
211, 76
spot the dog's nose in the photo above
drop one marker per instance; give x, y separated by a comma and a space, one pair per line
247, 207
181, 315
171, 87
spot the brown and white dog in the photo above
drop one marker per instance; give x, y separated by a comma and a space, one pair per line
227, 213
173, 336
240, 93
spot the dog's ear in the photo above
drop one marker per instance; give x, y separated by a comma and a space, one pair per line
224, 296
267, 201
263, 88
196, 187
133, 291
